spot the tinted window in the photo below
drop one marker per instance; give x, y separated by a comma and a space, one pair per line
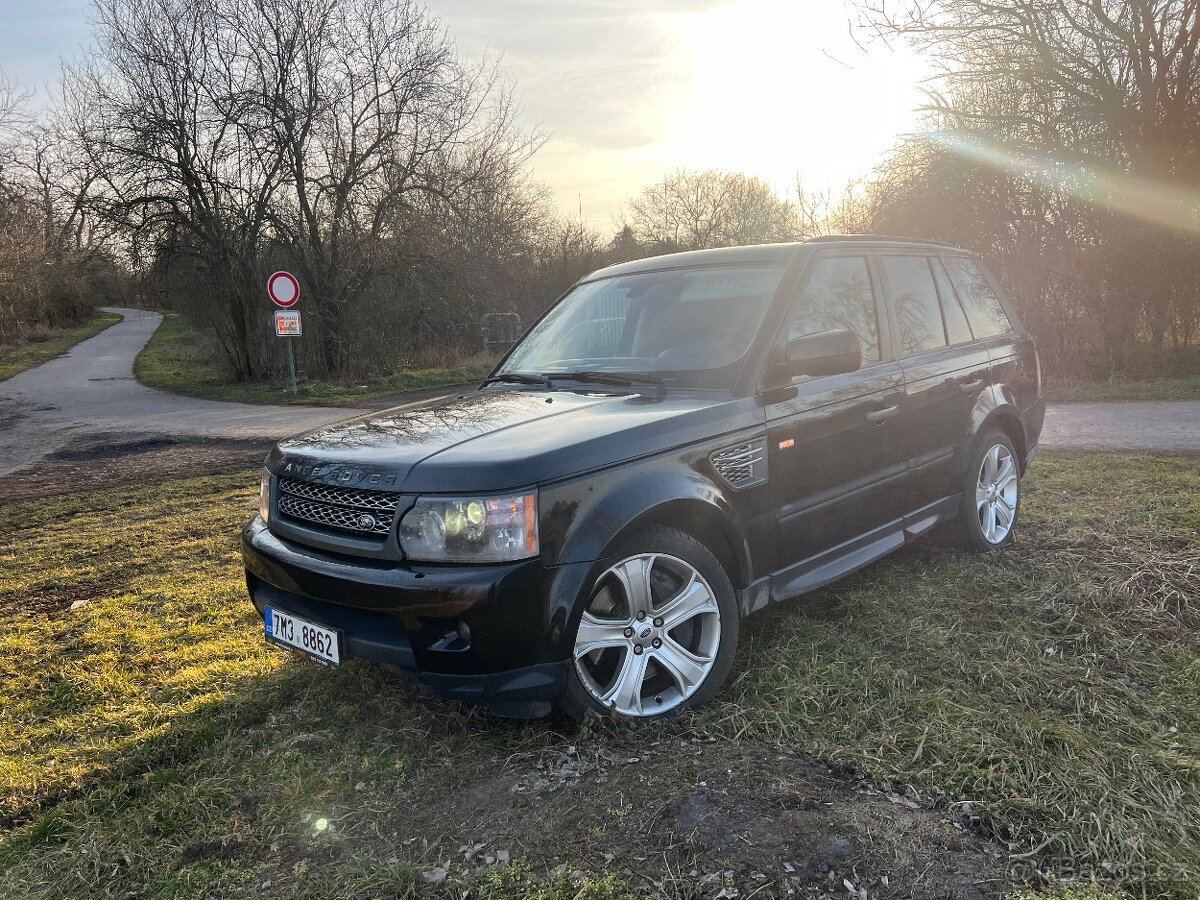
980, 302
687, 320
957, 329
915, 301
839, 295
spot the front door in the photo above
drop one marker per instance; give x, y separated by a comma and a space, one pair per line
837, 468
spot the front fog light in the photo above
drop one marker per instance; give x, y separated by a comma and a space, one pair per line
476, 529
264, 496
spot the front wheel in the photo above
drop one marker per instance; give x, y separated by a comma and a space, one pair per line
658, 632
991, 497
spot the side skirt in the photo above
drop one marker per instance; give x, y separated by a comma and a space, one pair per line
837, 562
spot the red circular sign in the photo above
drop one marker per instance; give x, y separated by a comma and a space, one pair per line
284, 289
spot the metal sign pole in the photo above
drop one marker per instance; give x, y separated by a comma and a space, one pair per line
292, 366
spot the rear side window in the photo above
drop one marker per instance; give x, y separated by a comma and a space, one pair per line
957, 330
979, 301
915, 302
838, 295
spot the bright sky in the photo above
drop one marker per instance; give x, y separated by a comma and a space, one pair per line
633, 89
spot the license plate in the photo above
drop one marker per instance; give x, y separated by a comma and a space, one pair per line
315, 641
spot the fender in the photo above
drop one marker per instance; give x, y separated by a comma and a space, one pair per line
996, 404
581, 519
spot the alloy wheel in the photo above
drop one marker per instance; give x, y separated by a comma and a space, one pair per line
649, 635
996, 493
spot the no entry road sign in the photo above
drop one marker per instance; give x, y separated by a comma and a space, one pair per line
283, 289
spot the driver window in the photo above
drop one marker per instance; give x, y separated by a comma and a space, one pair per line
839, 295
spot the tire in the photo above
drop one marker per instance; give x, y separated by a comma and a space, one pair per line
991, 504
678, 660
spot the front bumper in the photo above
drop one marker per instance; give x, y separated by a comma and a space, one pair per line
485, 633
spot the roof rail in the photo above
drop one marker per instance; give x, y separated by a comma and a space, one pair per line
829, 238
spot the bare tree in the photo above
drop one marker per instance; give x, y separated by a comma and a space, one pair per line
1065, 144
699, 210
233, 136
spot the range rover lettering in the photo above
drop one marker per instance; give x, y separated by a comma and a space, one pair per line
677, 443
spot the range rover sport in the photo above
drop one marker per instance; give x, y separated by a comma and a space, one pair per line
675, 444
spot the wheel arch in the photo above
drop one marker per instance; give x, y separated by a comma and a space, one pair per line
707, 524
662, 495
996, 408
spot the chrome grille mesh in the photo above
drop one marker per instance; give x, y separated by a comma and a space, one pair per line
340, 496
345, 509
742, 465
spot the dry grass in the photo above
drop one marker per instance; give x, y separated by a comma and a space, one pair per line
42, 344
179, 359
152, 746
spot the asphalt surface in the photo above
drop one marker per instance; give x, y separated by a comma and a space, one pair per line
1171, 426
91, 391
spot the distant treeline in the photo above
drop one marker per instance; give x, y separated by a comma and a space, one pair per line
201, 146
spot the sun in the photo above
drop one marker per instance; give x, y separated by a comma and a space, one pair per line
776, 88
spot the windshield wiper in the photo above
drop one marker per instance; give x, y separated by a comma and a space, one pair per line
619, 379
518, 378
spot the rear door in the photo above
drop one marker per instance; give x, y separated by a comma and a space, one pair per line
945, 370
1014, 358
837, 468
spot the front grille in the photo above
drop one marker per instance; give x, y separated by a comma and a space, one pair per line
743, 465
344, 509
340, 496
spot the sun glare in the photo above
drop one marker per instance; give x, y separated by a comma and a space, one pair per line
779, 88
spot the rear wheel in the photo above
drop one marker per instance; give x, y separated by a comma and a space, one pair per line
991, 496
658, 632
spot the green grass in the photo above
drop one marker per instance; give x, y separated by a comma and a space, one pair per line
16, 358
151, 745
1147, 389
178, 359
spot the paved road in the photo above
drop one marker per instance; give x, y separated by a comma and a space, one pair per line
91, 391
1150, 425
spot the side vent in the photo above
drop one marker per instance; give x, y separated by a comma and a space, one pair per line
743, 465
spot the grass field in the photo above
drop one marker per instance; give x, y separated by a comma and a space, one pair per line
16, 358
176, 360
1148, 389
151, 745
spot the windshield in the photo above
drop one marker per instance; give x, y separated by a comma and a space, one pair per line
688, 320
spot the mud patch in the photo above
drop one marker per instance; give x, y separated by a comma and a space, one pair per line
685, 816
107, 460
96, 451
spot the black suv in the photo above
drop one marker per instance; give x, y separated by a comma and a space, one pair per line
676, 443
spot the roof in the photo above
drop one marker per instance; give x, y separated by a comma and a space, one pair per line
755, 253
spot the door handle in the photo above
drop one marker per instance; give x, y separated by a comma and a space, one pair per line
969, 387
880, 416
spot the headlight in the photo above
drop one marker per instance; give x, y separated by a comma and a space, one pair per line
471, 529
264, 496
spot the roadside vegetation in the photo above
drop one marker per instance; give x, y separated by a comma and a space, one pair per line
1037, 710
178, 359
42, 344
1141, 389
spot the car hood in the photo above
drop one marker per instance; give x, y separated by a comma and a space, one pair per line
496, 440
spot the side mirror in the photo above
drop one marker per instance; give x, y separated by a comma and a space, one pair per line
824, 353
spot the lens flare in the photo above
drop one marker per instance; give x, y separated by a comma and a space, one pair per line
1159, 202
